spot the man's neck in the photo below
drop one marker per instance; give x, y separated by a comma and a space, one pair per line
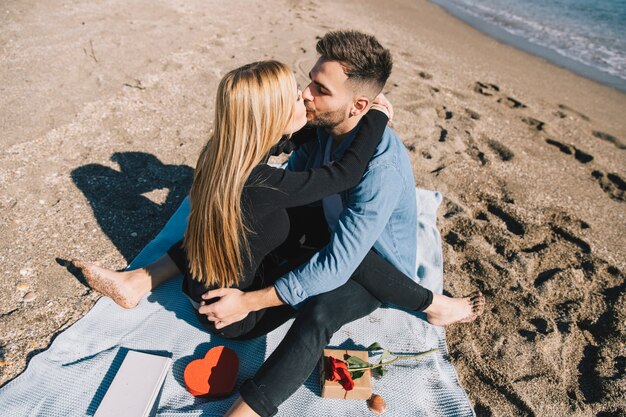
340, 132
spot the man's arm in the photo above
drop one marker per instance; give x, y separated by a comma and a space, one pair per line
370, 206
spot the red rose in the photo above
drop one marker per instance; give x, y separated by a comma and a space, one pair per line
337, 370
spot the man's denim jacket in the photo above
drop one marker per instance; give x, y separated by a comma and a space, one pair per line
379, 213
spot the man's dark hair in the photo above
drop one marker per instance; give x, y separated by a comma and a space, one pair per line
363, 58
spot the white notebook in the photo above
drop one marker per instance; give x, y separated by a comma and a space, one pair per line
135, 386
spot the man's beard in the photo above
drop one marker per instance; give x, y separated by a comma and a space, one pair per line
329, 119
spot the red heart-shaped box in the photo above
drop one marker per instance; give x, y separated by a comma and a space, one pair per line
215, 375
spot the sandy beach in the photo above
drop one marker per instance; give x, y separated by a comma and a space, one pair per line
105, 105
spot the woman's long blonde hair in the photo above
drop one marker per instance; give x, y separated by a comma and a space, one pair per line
253, 108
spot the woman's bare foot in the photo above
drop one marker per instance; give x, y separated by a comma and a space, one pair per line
125, 288
447, 310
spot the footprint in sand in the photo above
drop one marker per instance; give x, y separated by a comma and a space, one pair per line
424, 75
472, 114
502, 246
454, 240
503, 388
609, 138
433, 90
477, 154
481, 215
504, 153
588, 267
541, 325
452, 209
571, 238
536, 248
529, 335
512, 224
613, 271
565, 111
534, 123
428, 77
565, 314
612, 184
511, 103
444, 113
437, 170
492, 90
485, 89
580, 156
526, 378
592, 378
545, 276
443, 133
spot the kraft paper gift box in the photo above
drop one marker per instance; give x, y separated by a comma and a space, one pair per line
333, 389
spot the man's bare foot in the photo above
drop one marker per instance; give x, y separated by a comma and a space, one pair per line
447, 310
125, 288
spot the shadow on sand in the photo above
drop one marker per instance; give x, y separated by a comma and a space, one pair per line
118, 197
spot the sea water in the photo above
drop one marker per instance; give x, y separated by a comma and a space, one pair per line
587, 36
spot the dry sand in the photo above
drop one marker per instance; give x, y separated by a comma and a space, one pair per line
105, 105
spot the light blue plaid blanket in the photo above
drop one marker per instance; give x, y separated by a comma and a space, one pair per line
72, 376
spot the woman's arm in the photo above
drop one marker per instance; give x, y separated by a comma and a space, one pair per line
282, 188
288, 145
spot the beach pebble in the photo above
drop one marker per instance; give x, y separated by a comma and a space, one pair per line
134, 234
376, 404
30, 296
26, 272
22, 286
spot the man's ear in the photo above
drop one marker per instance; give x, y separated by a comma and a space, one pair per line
360, 106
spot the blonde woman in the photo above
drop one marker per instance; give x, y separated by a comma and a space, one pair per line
240, 213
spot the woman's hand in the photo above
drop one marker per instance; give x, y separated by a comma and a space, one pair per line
230, 308
381, 103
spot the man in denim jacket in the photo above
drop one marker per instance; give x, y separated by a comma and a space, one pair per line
378, 213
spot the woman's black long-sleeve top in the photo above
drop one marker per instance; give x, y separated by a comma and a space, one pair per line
270, 191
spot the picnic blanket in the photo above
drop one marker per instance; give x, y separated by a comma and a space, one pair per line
72, 376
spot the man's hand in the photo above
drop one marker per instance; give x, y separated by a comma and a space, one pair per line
230, 308
234, 305
381, 100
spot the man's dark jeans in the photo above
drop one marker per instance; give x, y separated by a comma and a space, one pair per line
299, 352
316, 321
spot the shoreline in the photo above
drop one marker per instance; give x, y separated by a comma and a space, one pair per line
523, 44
